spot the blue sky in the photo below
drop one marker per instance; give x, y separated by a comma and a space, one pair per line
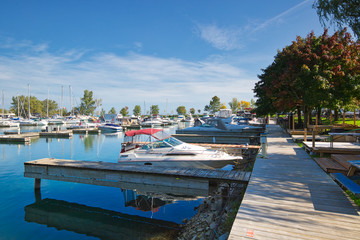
162, 52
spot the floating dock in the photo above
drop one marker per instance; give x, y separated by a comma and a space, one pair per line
114, 174
86, 131
57, 134
219, 138
290, 197
18, 138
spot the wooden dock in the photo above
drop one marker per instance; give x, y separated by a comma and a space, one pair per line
332, 147
237, 138
290, 197
57, 134
19, 138
115, 174
86, 131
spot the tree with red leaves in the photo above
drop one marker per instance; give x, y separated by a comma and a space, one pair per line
312, 72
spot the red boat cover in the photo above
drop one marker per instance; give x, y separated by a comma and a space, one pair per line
147, 131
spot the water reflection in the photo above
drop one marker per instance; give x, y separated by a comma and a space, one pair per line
109, 224
97, 222
88, 141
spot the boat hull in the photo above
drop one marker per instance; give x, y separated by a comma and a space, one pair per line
204, 164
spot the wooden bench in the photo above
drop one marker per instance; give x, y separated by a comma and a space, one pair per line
346, 183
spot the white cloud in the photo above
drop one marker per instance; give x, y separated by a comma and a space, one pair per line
220, 38
124, 80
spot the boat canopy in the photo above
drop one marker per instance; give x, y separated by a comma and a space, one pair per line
147, 131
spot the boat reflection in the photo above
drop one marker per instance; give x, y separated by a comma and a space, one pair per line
109, 224
97, 222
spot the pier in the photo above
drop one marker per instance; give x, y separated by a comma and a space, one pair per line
290, 197
86, 131
115, 174
18, 138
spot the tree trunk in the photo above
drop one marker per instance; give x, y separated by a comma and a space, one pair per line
331, 117
298, 108
354, 117
336, 117
319, 115
306, 116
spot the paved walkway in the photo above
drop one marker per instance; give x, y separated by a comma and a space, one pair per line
290, 197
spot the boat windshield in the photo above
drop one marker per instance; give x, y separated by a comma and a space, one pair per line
168, 142
173, 141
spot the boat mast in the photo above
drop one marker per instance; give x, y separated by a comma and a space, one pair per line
62, 94
29, 101
71, 111
18, 105
47, 105
2, 104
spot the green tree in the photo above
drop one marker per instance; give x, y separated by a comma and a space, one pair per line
112, 111
102, 113
340, 13
192, 111
214, 105
124, 111
181, 110
36, 106
88, 104
154, 109
137, 110
234, 105
49, 106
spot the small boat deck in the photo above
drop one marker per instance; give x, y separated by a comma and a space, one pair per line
290, 197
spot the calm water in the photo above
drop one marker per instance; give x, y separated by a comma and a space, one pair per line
80, 211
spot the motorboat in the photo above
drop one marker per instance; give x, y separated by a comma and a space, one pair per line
9, 123
167, 151
149, 122
110, 127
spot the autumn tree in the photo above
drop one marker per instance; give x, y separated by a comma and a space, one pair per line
312, 72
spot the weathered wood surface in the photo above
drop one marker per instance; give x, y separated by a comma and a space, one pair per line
23, 137
87, 130
290, 197
112, 174
61, 133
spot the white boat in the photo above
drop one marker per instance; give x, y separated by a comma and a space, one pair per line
148, 122
110, 127
9, 123
56, 121
28, 122
168, 151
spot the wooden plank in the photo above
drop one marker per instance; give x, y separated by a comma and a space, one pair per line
290, 197
94, 167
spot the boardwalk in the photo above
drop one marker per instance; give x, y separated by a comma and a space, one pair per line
290, 197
